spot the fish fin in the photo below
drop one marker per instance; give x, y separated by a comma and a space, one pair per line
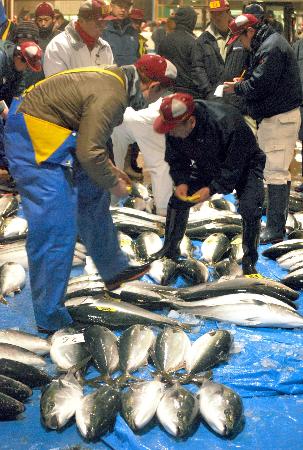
254, 320
80, 365
2, 300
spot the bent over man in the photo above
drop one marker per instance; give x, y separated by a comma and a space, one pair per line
45, 140
210, 149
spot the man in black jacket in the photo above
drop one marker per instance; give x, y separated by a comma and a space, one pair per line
178, 45
213, 62
210, 149
273, 92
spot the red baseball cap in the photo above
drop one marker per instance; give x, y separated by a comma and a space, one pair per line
96, 10
32, 54
157, 68
137, 14
218, 5
174, 109
241, 23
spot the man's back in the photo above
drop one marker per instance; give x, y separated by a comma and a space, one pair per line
177, 47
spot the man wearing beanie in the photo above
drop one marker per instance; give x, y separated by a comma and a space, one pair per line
80, 44
25, 31
45, 20
14, 60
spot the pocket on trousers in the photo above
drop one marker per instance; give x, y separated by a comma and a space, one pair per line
275, 157
288, 125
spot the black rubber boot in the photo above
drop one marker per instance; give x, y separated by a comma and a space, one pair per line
277, 211
175, 227
287, 203
250, 242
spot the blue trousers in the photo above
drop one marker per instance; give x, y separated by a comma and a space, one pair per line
58, 203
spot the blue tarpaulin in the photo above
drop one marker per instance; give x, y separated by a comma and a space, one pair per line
266, 369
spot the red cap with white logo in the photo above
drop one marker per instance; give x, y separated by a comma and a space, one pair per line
240, 24
157, 68
32, 54
174, 109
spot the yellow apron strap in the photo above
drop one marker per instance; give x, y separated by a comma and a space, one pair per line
4, 35
79, 70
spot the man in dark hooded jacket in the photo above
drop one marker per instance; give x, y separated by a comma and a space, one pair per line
178, 45
213, 61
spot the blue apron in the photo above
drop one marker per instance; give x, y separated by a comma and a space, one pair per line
58, 201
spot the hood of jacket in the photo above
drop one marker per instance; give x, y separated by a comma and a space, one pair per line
186, 18
263, 32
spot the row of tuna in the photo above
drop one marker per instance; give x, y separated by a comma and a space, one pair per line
176, 407
253, 302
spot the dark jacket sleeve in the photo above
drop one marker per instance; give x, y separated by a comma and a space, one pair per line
199, 72
265, 77
179, 164
239, 142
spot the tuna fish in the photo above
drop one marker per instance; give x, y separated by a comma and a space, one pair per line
12, 279
28, 341
194, 271
9, 205
252, 314
140, 402
68, 348
294, 279
172, 346
13, 228
10, 408
97, 412
208, 351
147, 243
102, 345
221, 408
276, 250
25, 373
14, 388
163, 271
177, 411
119, 314
9, 351
60, 401
135, 346
215, 247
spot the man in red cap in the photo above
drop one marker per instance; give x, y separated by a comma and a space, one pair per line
137, 18
15, 59
80, 45
213, 61
210, 150
45, 142
272, 90
45, 20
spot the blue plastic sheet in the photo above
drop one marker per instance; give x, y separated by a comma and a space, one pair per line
266, 370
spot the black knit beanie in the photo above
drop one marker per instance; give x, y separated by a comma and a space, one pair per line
26, 30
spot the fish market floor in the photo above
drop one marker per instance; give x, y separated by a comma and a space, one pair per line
266, 370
